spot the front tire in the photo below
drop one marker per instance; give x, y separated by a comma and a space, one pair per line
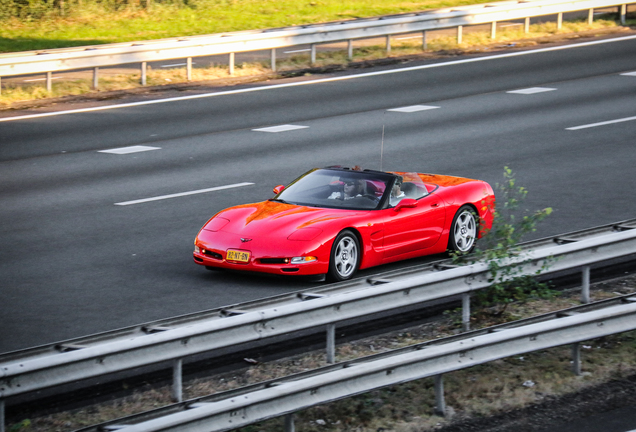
463, 234
345, 257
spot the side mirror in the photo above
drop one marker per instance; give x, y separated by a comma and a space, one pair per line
406, 203
278, 189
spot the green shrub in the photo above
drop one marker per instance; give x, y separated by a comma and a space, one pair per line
511, 225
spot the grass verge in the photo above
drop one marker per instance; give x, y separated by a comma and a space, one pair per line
478, 392
43, 25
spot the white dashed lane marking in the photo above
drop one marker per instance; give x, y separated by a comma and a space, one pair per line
413, 108
532, 90
131, 149
629, 74
281, 128
200, 191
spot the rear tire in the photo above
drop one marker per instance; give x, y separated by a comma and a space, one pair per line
345, 257
463, 234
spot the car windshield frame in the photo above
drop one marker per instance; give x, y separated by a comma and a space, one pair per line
325, 188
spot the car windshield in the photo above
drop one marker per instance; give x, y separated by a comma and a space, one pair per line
338, 188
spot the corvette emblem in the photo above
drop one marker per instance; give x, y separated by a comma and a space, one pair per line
245, 240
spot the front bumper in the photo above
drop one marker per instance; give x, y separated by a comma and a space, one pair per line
265, 255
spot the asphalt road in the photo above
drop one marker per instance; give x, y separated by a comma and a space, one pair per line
72, 262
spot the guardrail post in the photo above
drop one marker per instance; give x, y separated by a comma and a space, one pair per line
331, 343
585, 282
350, 49
289, 423
273, 60
459, 34
49, 82
526, 26
576, 359
493, 30
177, 380
189, 68
559, 20
466, 312
312, 58
143, 73
231, 64
424, 40
623, 12
440, 404
95, 78
388, 45
590, 16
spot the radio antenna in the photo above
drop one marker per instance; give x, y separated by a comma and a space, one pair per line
382, 148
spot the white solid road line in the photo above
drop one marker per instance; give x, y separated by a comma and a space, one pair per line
297, 51
41, 79
175, 65
200, 191
323, 80
591, 125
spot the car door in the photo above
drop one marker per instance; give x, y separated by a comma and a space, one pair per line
414, 226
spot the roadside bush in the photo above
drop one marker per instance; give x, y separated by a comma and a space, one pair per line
511, 225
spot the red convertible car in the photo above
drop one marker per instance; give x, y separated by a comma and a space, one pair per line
337, 220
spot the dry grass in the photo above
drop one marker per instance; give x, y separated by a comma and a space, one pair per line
24, 92
472, 42
478, 391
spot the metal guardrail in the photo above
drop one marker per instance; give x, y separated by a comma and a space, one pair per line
240, 407
96, 56
42, 367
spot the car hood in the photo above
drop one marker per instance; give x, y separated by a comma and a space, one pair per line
276, 219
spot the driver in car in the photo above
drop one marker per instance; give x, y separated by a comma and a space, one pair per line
351, 189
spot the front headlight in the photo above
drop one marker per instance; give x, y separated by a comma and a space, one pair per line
196, 249
302, 260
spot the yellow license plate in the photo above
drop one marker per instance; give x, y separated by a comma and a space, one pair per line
237, 255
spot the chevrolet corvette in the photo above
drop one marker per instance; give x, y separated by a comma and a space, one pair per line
336, 220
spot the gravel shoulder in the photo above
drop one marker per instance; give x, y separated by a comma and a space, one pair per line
594, 409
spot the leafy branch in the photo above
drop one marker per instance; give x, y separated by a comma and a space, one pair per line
500, 246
